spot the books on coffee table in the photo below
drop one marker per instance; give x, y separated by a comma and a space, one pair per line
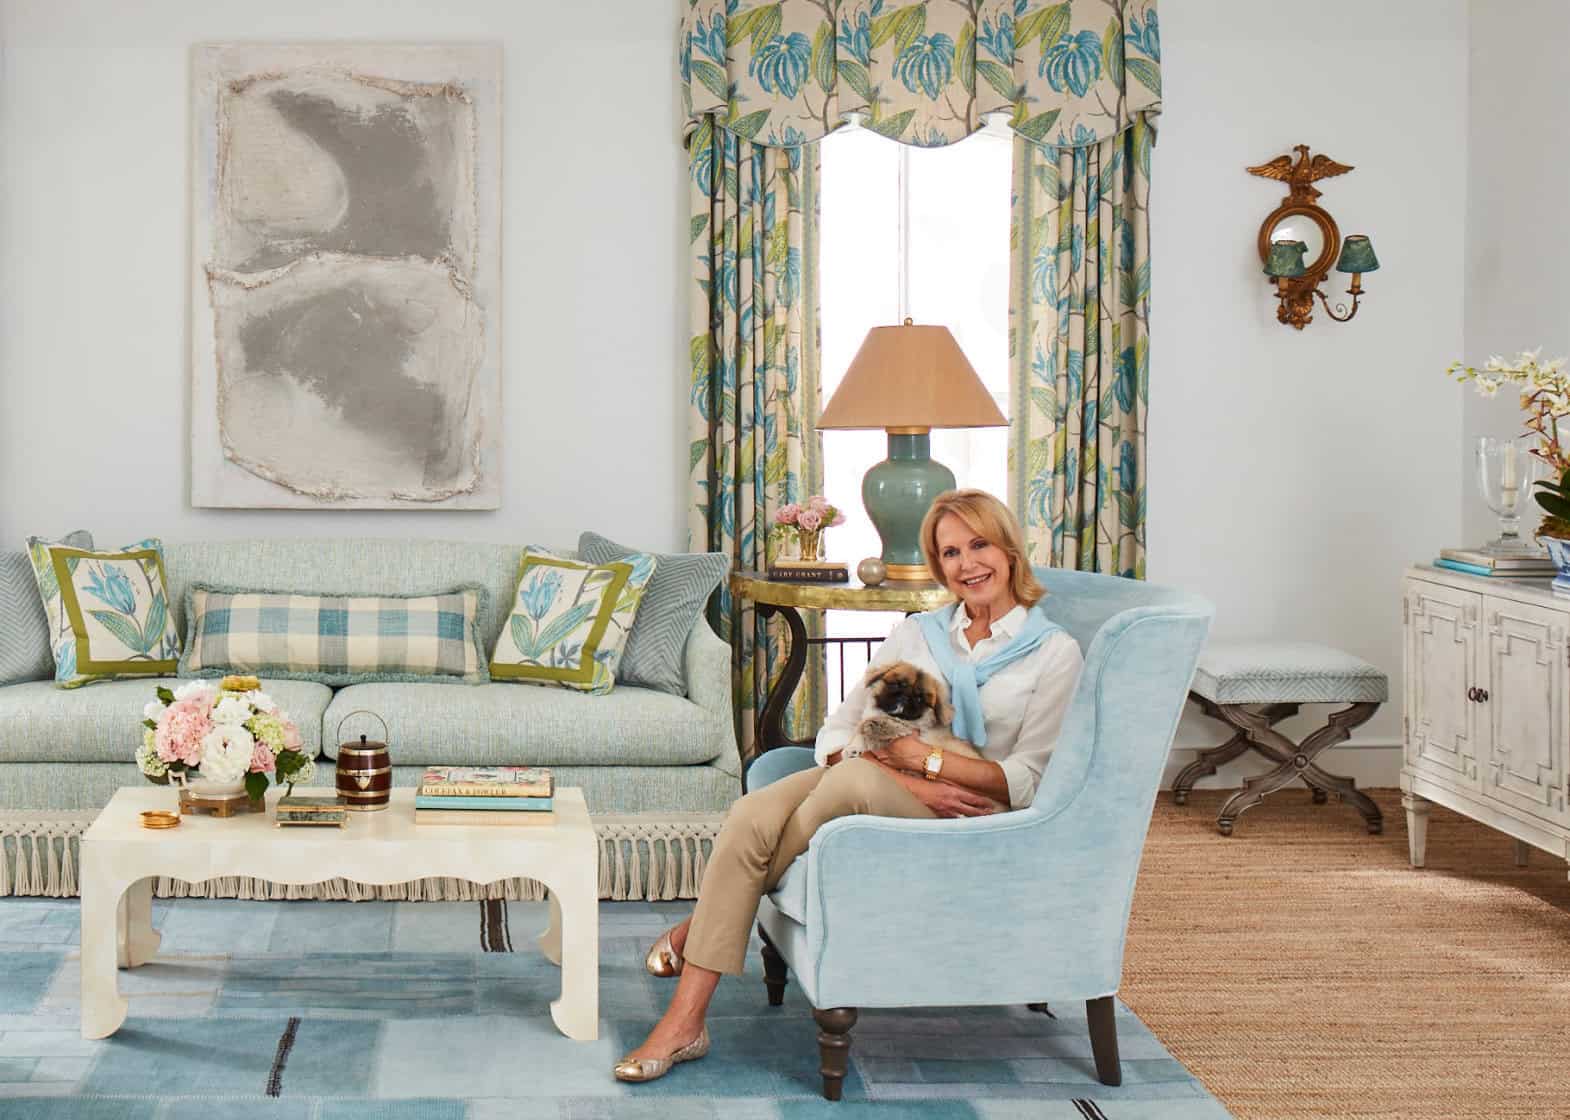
477, 816
484, 795
484, 804
485, 781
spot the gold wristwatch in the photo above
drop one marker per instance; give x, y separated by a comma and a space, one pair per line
934, 764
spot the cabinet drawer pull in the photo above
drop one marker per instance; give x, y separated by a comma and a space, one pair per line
1482, 696
1471, 694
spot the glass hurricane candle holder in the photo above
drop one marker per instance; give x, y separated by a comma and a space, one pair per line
1506, 470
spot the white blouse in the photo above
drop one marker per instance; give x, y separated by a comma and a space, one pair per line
1023, 703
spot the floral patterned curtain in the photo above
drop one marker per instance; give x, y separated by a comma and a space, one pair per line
788, 72
1079, 322
755, 393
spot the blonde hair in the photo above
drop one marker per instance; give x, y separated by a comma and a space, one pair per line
991, 520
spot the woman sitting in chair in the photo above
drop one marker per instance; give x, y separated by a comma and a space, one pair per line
1010, 672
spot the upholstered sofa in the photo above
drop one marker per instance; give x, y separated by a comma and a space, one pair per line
658, 770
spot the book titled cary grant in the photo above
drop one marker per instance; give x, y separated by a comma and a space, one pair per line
486, 781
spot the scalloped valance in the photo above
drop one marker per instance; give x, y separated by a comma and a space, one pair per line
789, 72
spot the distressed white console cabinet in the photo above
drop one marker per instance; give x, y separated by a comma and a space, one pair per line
1485, 730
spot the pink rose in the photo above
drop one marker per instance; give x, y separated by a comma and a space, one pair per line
818, 502
291, 737
181, 728
262, 761
839, 519
810, 520
787, 515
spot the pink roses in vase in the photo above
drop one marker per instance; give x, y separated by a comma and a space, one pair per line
230, 735
806, 521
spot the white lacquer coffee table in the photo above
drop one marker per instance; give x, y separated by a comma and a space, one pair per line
121, 860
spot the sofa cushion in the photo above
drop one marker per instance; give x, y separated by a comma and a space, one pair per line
25, 653
42, 723
569, 620
504, 725
681, 586
335, 639
108, 610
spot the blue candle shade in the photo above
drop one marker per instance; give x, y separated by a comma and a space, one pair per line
1357, 255
1286, 259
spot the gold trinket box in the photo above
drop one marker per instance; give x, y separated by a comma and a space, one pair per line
310, 812
160, 818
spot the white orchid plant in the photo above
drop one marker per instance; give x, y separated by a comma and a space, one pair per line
1545, 398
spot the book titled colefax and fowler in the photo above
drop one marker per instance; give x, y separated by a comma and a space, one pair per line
485, 781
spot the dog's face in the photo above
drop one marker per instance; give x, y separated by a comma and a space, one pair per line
906, 692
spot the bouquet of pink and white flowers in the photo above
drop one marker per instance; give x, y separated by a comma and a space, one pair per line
808, 517
225, 733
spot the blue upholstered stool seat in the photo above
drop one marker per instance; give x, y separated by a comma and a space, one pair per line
1286, 673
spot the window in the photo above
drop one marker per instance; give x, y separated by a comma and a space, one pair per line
923, 233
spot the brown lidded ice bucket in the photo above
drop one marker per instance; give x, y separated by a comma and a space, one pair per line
364, 770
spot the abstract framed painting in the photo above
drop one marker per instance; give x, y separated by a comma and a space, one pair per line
346, 276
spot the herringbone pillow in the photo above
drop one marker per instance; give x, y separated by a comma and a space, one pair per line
24, 628
682, 584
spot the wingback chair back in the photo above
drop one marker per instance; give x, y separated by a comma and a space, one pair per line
1036, 901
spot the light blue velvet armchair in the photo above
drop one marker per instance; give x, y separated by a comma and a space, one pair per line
1037, 900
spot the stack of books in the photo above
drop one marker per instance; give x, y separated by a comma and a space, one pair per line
1479, 563
506, 795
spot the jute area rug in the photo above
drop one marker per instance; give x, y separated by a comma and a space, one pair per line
1303, 968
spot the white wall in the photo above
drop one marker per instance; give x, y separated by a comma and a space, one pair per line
1293, 475
1518, 213
93, 224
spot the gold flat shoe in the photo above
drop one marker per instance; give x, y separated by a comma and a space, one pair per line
652, 1069
663, 960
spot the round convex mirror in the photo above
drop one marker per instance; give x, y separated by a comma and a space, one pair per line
1300, 227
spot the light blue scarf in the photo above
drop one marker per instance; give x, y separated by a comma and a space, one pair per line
965, 677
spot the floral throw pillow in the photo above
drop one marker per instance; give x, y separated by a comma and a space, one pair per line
569, 620
108, 611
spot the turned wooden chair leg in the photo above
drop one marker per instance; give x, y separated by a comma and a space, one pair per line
834, 1026
1104, 1039
774, 970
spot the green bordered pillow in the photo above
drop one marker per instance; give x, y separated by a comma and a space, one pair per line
108, 611
335, 639
570, 620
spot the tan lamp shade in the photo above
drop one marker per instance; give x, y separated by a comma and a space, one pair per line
911, 377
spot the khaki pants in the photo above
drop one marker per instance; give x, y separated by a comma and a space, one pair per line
764, 832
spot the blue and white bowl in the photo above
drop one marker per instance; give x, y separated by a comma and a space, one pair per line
1559, 553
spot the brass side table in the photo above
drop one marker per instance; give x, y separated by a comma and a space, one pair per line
788, 599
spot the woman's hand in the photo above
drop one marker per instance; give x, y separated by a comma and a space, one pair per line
944, 798
905, 753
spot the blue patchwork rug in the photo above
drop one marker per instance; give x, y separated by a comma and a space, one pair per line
440, 1012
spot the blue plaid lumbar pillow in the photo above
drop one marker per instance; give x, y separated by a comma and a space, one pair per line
335, 639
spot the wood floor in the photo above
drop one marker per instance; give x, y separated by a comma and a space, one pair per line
1302, 968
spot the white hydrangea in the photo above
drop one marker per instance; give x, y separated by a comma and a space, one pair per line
226, 753
261, 701
192, 688
231, 710
305, 774
153, 710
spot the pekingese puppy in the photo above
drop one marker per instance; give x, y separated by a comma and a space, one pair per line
903, 699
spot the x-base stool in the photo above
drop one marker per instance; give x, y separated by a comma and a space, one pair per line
1251, 687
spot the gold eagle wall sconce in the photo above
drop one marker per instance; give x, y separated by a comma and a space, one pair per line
1299, 240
